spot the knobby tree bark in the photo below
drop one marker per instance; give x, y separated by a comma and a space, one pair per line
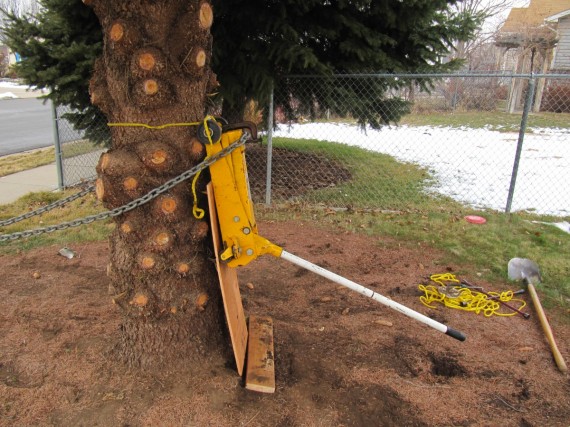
155, 70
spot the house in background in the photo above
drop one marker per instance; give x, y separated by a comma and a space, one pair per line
7, 58
537, 37
561, 21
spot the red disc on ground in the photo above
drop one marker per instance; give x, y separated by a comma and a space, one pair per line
474, 219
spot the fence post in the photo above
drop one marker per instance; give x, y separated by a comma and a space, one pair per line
269, 150
57, 145
522, 130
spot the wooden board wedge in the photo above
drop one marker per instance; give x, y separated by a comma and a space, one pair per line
260, 374
229, 284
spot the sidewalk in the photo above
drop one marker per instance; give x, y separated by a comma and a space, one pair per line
14, 186
43, 178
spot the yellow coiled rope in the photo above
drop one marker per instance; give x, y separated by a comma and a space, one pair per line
465, 299
196, 211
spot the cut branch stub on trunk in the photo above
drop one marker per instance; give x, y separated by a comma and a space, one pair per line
122, 37
183, 268
194, 62
160, 157
133, 223
139, 300
172, 207
147, 62
152, 93
116, 162
131, 184
147, 261
200, 230
196, 149
161, 241
202, 301
98, 90
127, 227
206, 16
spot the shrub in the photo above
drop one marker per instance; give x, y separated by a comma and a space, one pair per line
556, 98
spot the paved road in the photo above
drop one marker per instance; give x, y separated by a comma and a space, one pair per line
25, 124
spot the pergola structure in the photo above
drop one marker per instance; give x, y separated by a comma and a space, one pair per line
535, 37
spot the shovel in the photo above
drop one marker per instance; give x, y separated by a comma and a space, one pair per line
528, 271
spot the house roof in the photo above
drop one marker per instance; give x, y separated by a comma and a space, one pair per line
534, 15
558, 16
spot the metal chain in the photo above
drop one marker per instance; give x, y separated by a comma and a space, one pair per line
135, 203
49, 207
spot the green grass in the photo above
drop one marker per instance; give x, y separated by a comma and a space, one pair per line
474, 251
77, 148
19, 162
377, 179
85, 206
494, 120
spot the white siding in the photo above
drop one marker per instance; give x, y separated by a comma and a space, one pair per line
562, 58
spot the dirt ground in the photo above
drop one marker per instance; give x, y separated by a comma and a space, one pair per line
341, 359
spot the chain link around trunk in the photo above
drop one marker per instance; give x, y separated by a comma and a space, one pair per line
133, 204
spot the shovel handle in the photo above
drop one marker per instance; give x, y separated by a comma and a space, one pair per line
547, 330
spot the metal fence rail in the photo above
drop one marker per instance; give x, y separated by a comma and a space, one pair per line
489, 141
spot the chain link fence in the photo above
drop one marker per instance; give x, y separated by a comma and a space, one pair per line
488, 141
461, 141
76, 156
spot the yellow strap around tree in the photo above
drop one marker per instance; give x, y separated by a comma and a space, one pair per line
196, 211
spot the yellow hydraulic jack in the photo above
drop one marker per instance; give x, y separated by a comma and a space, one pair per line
241, 242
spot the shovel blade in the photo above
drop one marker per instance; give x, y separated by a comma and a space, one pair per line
524, 269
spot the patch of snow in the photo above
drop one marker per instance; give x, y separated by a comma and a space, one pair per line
13, 85
473, 166
8, 95
564, 225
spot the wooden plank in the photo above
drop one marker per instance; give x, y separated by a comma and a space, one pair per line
230, 290
260, 375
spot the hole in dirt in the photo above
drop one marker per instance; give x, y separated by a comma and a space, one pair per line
11, 376
446, 365
524, 392
300, 272
377, 406
285, 363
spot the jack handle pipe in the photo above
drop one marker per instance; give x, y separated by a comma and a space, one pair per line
371, 294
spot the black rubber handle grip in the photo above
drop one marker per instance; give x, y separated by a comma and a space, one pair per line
455, 334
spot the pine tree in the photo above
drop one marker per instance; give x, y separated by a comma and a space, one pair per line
58, 47
257, 44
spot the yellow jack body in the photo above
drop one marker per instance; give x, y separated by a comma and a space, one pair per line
240, 238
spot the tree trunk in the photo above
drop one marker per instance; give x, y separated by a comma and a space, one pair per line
155, 70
